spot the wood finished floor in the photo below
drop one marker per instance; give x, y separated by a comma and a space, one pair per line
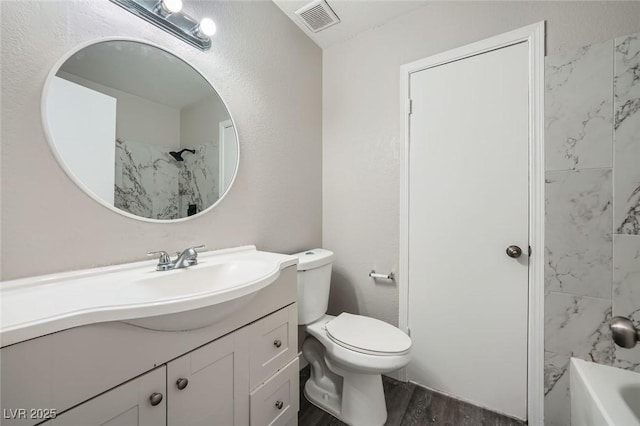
410, 405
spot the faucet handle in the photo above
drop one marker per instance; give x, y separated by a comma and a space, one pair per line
190, 255
164, 256
192, 250
193, 253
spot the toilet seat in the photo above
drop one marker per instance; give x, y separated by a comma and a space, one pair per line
367, 335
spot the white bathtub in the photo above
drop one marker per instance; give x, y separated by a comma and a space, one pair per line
602, 395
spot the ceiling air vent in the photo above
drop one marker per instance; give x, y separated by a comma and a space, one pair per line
318, 15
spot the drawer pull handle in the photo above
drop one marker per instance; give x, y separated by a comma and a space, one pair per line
277, 343
182, 383
279, 405
155, 398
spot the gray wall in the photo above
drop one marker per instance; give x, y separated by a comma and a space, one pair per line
200, 122
361, 122
264, 67
593, 210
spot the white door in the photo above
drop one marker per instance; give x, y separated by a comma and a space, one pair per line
139, 402
468, 202
83, 124
228, 155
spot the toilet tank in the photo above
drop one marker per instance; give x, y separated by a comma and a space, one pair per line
314, 282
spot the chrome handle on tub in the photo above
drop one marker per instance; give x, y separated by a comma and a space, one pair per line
625, 334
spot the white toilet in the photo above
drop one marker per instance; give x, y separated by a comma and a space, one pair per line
347, 353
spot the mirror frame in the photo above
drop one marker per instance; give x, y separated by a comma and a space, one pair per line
47, 129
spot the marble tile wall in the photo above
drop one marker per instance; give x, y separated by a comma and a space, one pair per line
578, 108
627, 135
592, 253
626, 292
150, 183
198, 178
146, 180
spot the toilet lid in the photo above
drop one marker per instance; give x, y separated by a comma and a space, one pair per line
365, 334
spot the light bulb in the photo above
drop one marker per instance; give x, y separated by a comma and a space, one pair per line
171, 6
207, 27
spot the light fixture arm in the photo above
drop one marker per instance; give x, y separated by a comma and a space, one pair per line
178, 23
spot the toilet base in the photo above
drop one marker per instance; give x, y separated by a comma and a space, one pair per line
355, 398
327, 401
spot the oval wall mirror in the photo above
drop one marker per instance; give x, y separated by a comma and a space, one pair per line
140, 130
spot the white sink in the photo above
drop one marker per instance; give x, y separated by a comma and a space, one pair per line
219, 276
209, 275
135, 293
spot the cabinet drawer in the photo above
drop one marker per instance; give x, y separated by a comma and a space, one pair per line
276, 402
274, 342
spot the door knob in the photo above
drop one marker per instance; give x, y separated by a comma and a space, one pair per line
279, 405
155, 398
277, 343
182, 383
514, 251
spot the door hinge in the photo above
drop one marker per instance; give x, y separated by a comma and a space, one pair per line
530, 251
410, 106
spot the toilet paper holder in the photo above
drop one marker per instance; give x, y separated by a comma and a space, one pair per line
390, 276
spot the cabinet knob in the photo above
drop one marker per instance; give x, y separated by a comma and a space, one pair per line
279, 405
155, 398
182, 383
277, 343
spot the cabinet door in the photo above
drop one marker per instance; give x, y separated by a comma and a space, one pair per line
127, 405
210, 386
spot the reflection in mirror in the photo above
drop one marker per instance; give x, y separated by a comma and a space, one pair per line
141, 130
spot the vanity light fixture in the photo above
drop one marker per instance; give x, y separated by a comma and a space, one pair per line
206, 28
167, 7
168, 15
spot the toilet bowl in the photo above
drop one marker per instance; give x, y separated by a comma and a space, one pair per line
347, 353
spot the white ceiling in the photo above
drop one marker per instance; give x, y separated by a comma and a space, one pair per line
140, 70
355, 16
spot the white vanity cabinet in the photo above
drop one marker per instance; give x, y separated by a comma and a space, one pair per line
130, 404
248, 377
240, 371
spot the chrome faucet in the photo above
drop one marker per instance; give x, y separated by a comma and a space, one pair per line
188, 257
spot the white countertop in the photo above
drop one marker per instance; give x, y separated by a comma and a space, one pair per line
35, 306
